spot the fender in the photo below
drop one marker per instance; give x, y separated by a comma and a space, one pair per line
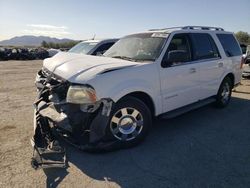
124, 88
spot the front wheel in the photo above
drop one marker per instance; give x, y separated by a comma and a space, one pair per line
224, 94
129, 121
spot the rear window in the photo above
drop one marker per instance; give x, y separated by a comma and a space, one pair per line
229, 45
204, 46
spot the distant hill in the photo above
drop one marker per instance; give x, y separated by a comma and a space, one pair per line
29, 40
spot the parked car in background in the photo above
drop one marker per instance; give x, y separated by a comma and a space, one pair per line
89, 47
22, 53
246, 68
4, 53
243, 49
246, 71
247, 55
53, 51
106, 102
93, 47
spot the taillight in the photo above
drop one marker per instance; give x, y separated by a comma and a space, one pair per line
242, 62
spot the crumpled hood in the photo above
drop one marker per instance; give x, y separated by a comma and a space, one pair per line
70, 65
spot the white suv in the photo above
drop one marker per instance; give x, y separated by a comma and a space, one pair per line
112, 98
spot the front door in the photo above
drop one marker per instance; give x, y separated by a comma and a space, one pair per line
180, 83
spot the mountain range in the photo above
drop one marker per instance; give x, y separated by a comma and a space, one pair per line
29, 40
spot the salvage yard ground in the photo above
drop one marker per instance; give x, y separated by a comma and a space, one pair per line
204, 148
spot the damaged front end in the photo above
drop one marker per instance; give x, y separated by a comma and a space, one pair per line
82, 125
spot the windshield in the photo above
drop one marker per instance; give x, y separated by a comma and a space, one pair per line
138, 47
83, 47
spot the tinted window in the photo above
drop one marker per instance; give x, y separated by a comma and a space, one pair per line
204, 46
103, 48
229, 44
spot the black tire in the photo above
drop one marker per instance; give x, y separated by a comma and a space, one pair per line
223, 96
132, 105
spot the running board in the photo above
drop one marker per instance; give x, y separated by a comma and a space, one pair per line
187, 108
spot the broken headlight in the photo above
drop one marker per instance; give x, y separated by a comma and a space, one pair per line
81, 95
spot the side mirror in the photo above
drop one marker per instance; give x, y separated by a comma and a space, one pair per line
175, 56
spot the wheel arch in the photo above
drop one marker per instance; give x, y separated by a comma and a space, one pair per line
231, 76
144, 97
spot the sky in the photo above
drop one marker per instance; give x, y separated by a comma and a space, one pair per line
82, 19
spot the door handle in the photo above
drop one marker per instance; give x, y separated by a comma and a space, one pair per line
192, 70
220, 64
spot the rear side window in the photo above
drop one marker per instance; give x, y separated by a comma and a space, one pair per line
229, 44
204, 46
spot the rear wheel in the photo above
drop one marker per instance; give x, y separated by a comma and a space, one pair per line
224, 94
129, 121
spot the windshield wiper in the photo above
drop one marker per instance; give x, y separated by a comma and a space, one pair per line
145, 60
124, 57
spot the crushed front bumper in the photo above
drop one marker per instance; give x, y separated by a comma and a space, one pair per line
83, 126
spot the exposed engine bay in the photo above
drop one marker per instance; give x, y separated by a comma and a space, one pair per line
82, 125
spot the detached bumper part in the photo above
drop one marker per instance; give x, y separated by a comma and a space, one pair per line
47, 158
82, 129
47, 152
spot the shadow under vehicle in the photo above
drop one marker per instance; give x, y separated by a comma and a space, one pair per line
202, 148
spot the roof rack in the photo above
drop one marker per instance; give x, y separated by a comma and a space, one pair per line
169, 28
190, 27
204, 28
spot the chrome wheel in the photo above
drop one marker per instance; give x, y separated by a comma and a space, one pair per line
126, 124
225, 94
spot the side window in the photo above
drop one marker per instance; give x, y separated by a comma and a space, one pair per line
229, 44
178, 51
103, 48
204, 46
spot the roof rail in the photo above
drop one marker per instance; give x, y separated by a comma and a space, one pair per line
169, 28
191, 27
203, 28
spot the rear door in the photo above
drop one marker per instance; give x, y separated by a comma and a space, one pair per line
180, 80
211, 66
233, 54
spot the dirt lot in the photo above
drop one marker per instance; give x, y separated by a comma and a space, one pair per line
204, 148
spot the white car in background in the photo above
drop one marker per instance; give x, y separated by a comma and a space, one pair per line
246, 68
53, 51
93, 47
88, 47
109, 101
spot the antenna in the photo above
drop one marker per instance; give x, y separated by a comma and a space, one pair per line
93, 37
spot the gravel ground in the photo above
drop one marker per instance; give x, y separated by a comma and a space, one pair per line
206, 147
